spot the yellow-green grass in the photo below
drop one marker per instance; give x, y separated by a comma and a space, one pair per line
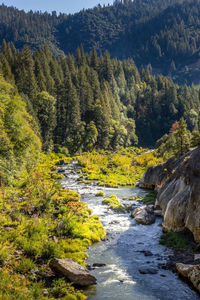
39, 220
121, 168
114, 203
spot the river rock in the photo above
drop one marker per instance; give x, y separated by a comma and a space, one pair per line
178, 192
158, 212
98, 265
196, 256
191, 272
143, 215
149, 270
72, 271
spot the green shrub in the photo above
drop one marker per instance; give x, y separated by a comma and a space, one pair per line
176, 240
114, 203
148, 199
100, 194
24, 266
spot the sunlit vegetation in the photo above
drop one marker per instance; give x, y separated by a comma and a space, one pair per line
19, 141
100, 194
121, 168
114, 203
39, 220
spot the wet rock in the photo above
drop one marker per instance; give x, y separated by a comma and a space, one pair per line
72, 271
191, 272
143, 215
148, 270
158, 213
98, 265
90, 268
196, 256
148, 253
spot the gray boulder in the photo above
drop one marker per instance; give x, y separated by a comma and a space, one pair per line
178, 192
73, 271
143, 215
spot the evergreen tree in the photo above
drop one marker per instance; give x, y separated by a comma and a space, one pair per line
182, 137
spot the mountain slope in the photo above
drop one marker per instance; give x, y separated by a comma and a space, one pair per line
164, 33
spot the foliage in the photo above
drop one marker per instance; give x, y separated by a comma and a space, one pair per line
83, 102
177, 142
164, 33
19, 143
148, 199
114, 203
121, 168
177, 240
40, 220
100, 194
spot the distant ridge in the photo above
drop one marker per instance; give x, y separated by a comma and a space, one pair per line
163, 33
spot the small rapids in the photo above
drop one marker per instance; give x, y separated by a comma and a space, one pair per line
127, 250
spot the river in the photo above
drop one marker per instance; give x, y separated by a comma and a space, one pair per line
128, 250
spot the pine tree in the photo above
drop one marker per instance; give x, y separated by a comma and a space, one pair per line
182, 136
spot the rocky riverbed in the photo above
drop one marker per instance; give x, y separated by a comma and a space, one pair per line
130, 263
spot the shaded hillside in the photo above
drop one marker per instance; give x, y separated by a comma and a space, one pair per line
164, 33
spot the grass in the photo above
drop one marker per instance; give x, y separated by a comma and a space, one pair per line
148, 199
124, 167
177, 240
114, 204
39, 220
100, 194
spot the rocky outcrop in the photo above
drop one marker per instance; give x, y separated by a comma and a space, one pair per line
143, 215
178, 192
73, 271
191, 272
156, 175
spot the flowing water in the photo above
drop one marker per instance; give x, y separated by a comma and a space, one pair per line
128, 248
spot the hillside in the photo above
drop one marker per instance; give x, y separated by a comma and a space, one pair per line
164, 33
86, 101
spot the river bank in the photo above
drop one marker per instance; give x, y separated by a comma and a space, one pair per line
135, 263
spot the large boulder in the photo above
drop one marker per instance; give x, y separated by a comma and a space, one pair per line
73, 271
156, 175
179, 194
143, 215
191, 272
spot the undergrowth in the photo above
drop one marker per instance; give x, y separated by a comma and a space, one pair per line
114, 203
177, 240
148, 199
39, 220
124, 167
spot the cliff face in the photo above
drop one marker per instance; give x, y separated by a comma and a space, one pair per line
178, 186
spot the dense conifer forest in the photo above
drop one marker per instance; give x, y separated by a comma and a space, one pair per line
164, 33
85, 101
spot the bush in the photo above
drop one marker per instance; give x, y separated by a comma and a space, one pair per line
100, 194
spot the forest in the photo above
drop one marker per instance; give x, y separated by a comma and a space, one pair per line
164, 34
85, 100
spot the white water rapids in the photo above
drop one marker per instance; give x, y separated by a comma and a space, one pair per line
124, 250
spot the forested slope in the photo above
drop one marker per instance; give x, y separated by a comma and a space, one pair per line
84, 100
164, 33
